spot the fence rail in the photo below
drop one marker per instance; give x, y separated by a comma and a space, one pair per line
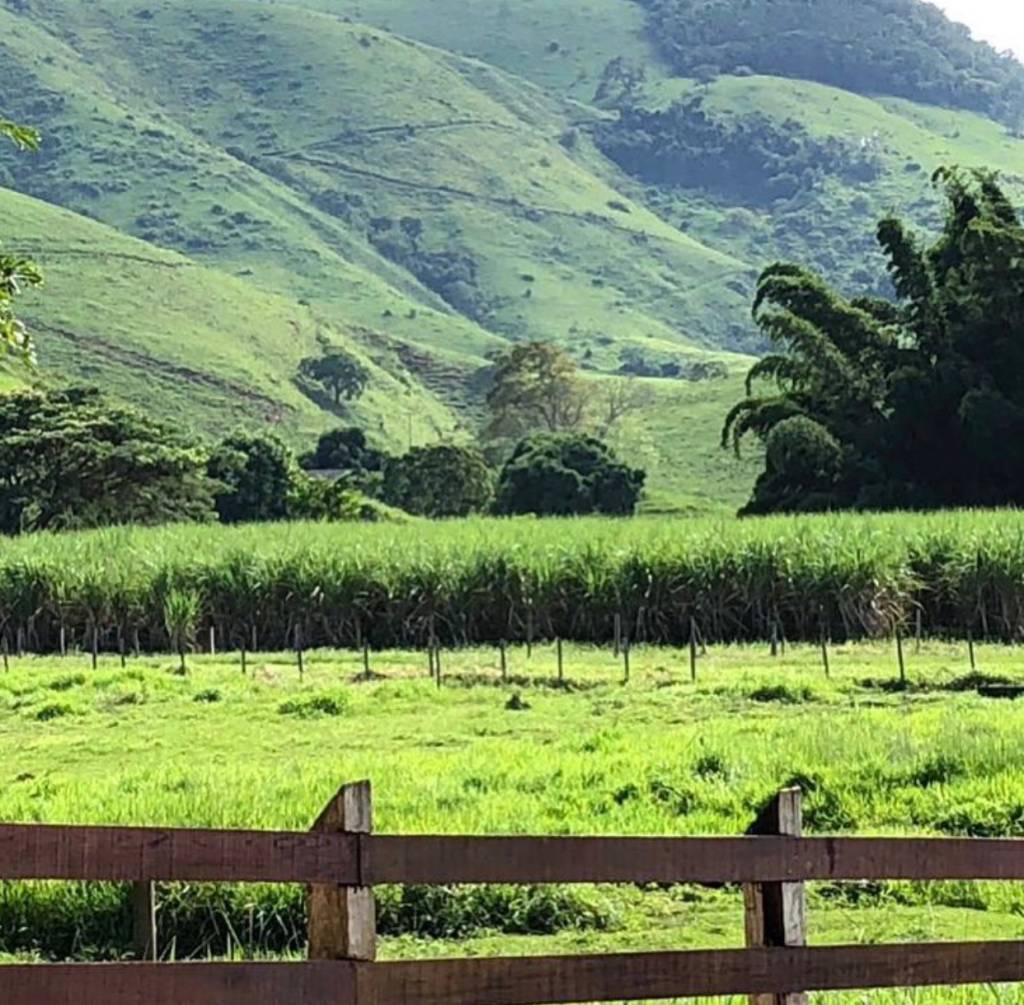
341, 860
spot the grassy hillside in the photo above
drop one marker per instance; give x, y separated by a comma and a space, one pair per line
830, 221
426, 182
560, 45
283, 141
195, 345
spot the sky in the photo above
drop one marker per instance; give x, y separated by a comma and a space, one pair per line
1000, 22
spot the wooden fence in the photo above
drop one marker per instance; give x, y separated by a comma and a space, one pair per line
341, 860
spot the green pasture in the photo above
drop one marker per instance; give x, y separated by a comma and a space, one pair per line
591, 754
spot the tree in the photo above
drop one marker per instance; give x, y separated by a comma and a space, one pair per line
254, 475
535, 387
567, 475
71, 459
913, 403
439, 481
16, 273
345, 450
342, 375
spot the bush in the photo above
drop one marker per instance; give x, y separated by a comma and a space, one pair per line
438, 481
567, 475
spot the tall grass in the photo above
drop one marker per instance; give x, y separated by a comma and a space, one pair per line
853, 576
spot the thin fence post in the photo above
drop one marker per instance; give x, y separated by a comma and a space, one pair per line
625, 658
561, 663
243, 659
144, 931
121, 648
213, 640
298, 651
899, 656
63, 641
343, 919
970, 649
693, 650
95, 646
775, 914
775, 638
824, 648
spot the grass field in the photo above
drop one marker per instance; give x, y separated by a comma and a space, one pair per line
659, 755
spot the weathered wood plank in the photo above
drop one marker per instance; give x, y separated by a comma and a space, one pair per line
557, 980
343, 919
130, 854
694, 860
776, 913
179, 984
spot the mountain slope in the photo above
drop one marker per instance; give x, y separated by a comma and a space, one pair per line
290, 143
424, 181
197, 346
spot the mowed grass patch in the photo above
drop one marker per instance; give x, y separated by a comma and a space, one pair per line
659, 755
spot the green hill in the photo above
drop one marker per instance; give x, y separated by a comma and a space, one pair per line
424, 182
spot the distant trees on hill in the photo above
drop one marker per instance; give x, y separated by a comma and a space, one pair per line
908, 404
899, 47
747, 158
337, 372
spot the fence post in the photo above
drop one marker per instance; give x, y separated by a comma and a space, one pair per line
776, 913
144, 939
343, 919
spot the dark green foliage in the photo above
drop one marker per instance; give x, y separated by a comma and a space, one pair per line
917, 403
900, 47
342, 375
345, 451
255, 475
439, 481
750, 158
71, 459
567, 475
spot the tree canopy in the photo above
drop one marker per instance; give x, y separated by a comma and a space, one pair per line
71, 459
912, 403
339, 373
552, 474
535, 386
439, 481
345, 450
254, 477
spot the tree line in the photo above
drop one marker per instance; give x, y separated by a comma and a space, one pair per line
73, 457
